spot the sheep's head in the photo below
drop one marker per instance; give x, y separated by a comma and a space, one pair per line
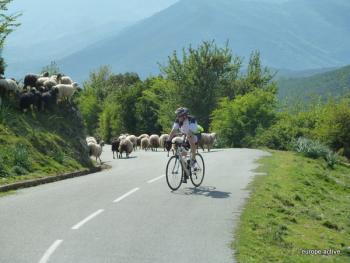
76, 86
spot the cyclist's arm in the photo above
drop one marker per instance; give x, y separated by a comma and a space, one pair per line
174, 130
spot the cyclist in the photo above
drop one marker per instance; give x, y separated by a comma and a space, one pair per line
187, 125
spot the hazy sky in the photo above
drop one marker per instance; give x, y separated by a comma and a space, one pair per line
43, 16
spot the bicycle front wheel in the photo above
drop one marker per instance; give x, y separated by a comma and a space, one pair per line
174, 173
197, 173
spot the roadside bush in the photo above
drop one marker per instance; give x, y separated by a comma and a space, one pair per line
333, 127
58, 156
21, 157
19, 170
238, 121
3, 170
315, 149
332, 159
4, 111
310, 148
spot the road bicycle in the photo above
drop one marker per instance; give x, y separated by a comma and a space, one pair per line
179, 169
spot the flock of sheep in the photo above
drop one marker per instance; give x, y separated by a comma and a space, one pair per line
39, 91
126, 143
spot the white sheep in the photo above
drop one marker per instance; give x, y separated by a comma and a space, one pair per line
175, 142
50, 83
66, 80
125, 146
207, 139
7, 86
133, 139
95, 150
41, 80
122, 136
144, 143
163, 138
154, 142
91, 140
140, 138
66, 91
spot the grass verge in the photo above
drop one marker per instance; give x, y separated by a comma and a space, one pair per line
301, 204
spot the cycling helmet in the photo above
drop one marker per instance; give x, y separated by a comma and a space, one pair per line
181, 111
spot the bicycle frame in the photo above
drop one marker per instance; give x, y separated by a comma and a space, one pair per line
180, 151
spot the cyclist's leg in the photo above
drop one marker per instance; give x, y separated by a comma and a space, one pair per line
192, 140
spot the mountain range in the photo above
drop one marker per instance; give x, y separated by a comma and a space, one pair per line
291, 35
51, 30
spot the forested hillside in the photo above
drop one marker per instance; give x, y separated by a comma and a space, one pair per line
333, 83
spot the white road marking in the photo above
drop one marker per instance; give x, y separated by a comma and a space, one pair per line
77, 226
156, 179
127, 194
50, 251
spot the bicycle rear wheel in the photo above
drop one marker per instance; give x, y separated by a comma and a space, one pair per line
174, 173
197, 175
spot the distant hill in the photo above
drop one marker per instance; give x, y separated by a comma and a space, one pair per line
294, 35
335, 83
51, 30
287, 74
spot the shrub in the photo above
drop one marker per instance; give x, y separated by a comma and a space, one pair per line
334, 126
21, 157
4, 112
314, 149
58, 156
310, 148
19, 170
332, 159
238, 121
3, 170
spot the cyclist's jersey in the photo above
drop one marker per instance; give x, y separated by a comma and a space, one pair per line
187, 126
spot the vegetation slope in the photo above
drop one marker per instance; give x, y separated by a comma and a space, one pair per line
301, 204
38, 144
333, 83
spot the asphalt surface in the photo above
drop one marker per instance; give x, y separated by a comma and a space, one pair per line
77, 220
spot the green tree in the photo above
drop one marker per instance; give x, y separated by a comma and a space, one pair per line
202, 76
8, 23
257, 77
238, 121
108, 103
90, 109
163, 95
91, 99
333, 125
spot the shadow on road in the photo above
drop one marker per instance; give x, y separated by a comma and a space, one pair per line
207, 191
124, 158
211, 151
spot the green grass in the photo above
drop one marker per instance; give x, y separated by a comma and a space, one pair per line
35, 145
300, 204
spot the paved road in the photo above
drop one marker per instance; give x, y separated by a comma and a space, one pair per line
77, 220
